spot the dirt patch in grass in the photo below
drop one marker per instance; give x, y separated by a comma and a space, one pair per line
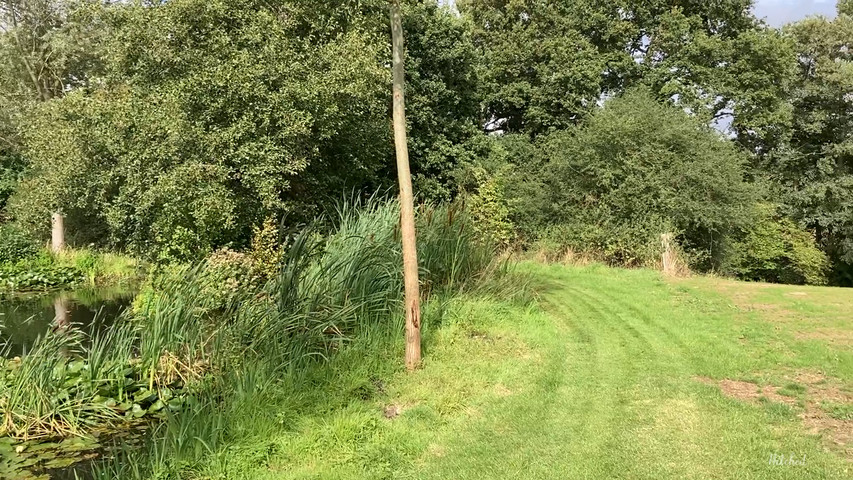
823, 391
819, 390
502, 391
743, 295
836, 431
748, 391
832, 336
394, 410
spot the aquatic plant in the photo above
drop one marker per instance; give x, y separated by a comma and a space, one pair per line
186, 346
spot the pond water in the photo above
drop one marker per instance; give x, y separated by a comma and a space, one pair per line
23, 318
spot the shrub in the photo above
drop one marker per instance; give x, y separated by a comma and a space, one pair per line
635, 169
15, 244
266, 250
598, 235
490, 211
225, 274
775, 249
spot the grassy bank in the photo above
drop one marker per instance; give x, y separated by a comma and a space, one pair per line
205, 342
608, 374
41, 270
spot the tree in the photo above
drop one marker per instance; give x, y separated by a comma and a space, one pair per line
718, 61
638, 168
442, 95
544, 64
814, 171
47, 48
211, 117
407, 208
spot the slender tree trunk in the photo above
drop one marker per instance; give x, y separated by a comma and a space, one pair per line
57, 239
407, 206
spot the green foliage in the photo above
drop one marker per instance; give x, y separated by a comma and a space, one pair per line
48, 46
775, 249
605, 238
634, 170
49, 394
172, 130
719, 62
174, 155
266, 249
11, 171
34, 276
490, 211
193, 325
544, 66
541, 63
15, 244
452, 253
226, 276
41, 270
813, 174
442, 97
212, 116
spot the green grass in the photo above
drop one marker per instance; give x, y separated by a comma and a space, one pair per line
607, 374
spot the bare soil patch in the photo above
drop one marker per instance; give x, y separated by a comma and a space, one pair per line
832, 336
816, 421
748, 391
502, 391
835, 431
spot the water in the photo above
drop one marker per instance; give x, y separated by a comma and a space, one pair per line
25, 318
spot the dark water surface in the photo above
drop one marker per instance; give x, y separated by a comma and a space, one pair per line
23, 318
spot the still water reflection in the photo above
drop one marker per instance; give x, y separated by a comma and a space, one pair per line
25, 318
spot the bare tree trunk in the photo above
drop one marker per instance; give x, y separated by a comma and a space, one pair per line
57, 242
407, 206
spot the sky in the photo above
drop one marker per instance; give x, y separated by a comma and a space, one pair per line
780, 12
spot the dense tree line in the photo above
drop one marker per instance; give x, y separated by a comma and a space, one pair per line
170, 129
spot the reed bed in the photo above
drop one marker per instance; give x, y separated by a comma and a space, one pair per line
188, 351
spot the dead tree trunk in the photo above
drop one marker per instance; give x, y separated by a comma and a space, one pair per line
57, 240
407, 206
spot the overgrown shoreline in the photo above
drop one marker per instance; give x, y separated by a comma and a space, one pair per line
196, 333
43, 271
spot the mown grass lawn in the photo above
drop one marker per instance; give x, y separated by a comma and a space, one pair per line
606, 374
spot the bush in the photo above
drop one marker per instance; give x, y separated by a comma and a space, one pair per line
506, 186
15, 244
490, 211
635, 169
599, 236
266, 250
775, 249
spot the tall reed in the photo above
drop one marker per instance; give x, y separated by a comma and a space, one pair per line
329, 288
